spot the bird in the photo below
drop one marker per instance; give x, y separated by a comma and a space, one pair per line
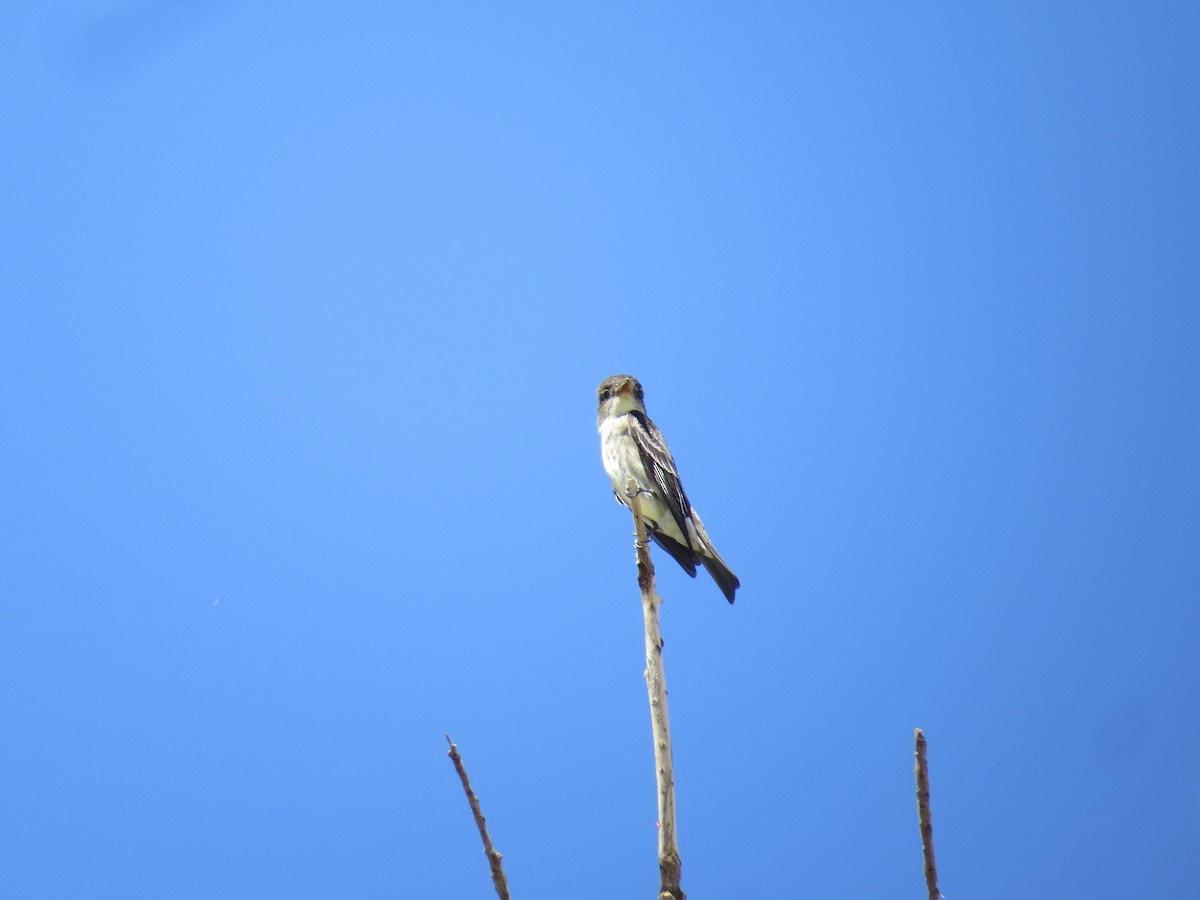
632, 447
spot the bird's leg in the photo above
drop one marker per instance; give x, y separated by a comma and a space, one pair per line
631, 493
624, 501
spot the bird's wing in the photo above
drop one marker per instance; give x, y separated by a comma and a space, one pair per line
660, 466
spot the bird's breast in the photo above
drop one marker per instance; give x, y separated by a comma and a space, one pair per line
621, 458
622, 461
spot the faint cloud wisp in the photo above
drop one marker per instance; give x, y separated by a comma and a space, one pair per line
120, 42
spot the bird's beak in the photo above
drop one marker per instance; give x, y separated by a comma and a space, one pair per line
625, 387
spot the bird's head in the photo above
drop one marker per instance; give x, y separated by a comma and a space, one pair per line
620, 394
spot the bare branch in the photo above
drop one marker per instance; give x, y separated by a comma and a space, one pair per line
493, 855
670, 867
923, 815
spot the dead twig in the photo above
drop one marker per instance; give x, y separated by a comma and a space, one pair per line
493, 855
670, 867
926, 821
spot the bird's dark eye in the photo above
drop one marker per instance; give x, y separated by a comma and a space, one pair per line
605, 394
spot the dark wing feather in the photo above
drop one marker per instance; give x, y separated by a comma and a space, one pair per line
660, 466
685, 556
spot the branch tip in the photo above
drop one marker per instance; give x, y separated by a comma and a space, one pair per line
924, 816
493, 855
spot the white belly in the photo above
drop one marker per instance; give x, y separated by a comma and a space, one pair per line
622, 462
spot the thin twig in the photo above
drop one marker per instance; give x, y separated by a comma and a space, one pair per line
923, 815
493, 855
670, 867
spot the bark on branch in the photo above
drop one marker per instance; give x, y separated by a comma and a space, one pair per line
925, 819
670, 867
493, 855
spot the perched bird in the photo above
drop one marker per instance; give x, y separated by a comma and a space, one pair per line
633, 447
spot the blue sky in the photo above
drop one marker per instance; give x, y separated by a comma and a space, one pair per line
303, 317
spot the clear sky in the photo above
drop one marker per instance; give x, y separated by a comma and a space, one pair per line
304, 309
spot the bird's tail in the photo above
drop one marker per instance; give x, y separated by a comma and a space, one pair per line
725, 579
707, 555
